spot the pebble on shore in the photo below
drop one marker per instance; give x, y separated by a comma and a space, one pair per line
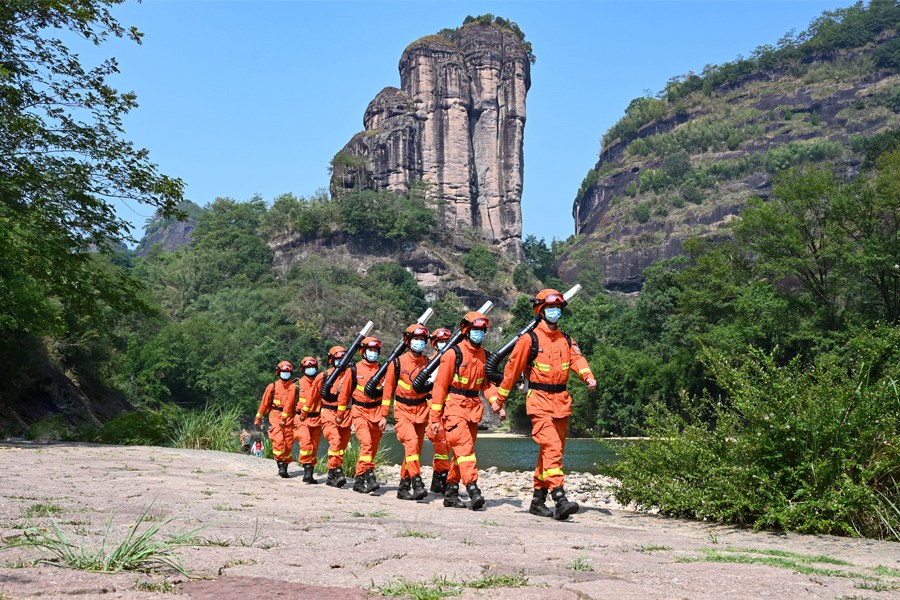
585, 488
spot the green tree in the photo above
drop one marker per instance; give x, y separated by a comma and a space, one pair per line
480, 264
538, 256
63, 161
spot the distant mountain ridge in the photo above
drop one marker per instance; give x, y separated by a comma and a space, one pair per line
683, 164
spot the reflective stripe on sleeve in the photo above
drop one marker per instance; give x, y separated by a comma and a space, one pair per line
584, 370
458, 379
442, 456
565, 366
504, 392
437, 407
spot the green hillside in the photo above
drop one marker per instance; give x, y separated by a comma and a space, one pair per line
683, 163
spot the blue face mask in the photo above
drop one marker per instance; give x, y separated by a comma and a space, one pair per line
441, 346
552, 314
371, 355
417, 345
476, 336
285, 375
310, 371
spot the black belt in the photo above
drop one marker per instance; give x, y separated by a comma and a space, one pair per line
374, 404
330, 406
547, 387
462, 392
275, 409
314, 414
410, 401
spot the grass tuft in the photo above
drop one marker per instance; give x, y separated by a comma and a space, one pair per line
582, 563
43, 509
139, 551
417, 534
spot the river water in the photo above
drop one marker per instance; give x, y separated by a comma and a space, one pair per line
506, 453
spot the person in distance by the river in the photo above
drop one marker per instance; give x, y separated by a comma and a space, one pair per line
410, 409
308, 420
336, 423
368, 418
546, 356
278, 402
457, 404
441, 461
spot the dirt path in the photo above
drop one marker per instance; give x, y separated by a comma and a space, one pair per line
276, 538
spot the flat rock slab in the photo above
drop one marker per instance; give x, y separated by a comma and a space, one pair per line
280, 538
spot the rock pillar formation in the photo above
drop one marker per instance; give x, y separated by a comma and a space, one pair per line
456, 124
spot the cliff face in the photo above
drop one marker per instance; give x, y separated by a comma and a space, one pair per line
456, 124
689, 169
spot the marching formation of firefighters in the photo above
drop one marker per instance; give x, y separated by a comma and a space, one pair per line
438, 396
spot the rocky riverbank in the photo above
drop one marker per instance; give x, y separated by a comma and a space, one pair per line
270, 537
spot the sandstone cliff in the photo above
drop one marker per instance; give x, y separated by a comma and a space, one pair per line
684, 164
455, 124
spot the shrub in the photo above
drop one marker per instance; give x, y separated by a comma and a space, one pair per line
803, 448
631, 189
480, 264
212, 428
642, 213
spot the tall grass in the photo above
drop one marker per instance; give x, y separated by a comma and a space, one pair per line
139, 551
212, 428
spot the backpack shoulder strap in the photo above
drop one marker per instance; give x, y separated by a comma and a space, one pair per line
534, 347
458, 360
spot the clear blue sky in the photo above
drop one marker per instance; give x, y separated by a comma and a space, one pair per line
244, 98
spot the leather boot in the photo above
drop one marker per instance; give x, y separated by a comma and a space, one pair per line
331, 481
282, 469
359, 484
537, 504
564, 508
340, 480
371, 481
439, 482
308, 474
403, 491
451, 496
476, 500
418, 488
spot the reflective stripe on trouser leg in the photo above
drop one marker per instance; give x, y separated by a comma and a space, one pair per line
410, 435
282, 439
441, 460
461, 437
338, 438
550, 436
369, 435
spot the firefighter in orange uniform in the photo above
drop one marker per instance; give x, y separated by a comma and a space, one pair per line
336, 424
547, 355
441, 462
308, 420
456, 403
278, 401
410, 410
368, 416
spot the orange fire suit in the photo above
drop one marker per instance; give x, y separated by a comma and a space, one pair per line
456, 403
410, 409
441, 461
547, 403
338, 435
366, 413
278, 401
308, 430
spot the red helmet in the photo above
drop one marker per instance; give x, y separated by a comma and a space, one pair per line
474, 320
336, 353
284, 366
441, 334
415, 330
547, 297
370, 343
309, 361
